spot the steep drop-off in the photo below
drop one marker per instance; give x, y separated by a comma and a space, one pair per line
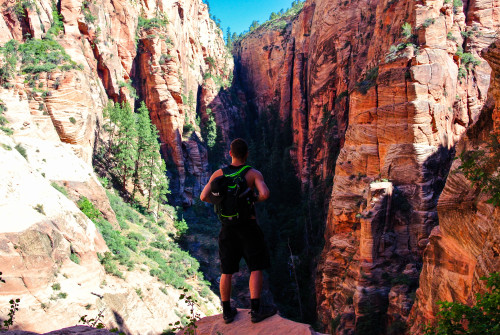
391, 87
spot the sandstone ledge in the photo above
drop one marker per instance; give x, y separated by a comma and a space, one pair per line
274, 325
66, 331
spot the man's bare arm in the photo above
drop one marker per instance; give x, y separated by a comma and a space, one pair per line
206, 193
261, 186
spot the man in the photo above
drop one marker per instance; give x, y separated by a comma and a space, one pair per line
242, 238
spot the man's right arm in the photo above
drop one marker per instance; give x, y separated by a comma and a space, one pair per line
206, 193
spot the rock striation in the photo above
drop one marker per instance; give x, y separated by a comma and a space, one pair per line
106, 51
391, 88
464, 247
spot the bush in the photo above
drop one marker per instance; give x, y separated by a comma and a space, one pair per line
21, 150
481, 319
74, 258
56, 287
88, 208
368, 81
72, 120
482, 169
61, 189
406, 30
136, 236
181, 227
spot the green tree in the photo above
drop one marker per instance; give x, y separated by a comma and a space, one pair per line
480, 319
126, 144
144, 144
229, 41
210, 130
254, 25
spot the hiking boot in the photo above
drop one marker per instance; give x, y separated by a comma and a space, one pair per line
263, 313
229, 317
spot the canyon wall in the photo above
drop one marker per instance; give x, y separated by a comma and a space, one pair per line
61, 63
393, 86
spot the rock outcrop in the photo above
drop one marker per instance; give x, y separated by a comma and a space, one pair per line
213, 325
61, 63
393, 86
464, 247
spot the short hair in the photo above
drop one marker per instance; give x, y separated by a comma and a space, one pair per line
239, 148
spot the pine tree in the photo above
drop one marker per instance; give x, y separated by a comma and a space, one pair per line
144, 144
211, 129
229, 41
126, 144
111, 113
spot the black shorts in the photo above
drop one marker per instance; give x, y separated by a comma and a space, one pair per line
245, 240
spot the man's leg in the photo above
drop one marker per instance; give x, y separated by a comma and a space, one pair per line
225, 287
255, 284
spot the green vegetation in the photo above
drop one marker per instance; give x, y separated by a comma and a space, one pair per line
56, 287
72, 120
170, 264
57, 25
21, 150
456, 5
3, 120
20, 8
277, 21
368, 81
61, 189
481, 319
39, 209
128, 85
467, 58
87, 14
462, 73
134, 156
451, 37
482, 169
156, 22
190, 326
428, 22
74, 258
36, 55
406, 30
209, 131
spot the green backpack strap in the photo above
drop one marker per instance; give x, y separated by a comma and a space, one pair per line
242, 171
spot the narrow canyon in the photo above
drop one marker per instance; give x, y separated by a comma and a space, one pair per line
362, 115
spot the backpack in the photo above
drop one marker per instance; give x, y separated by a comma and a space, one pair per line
232, 197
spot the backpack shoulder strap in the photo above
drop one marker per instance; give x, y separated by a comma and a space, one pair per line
229, 172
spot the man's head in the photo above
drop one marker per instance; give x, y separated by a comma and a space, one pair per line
239, 149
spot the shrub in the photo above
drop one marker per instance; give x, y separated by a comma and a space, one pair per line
181, 227
88, 208
451, 37
368, 81
156, 22
136, 236
406, 30
72, 120
74, 258
482, 318
482, 169
39, 209
21, 150
56, 287
428, 22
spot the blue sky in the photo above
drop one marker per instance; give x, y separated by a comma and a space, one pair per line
239, 14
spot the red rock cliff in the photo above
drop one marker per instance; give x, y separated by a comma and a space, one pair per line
395, 101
